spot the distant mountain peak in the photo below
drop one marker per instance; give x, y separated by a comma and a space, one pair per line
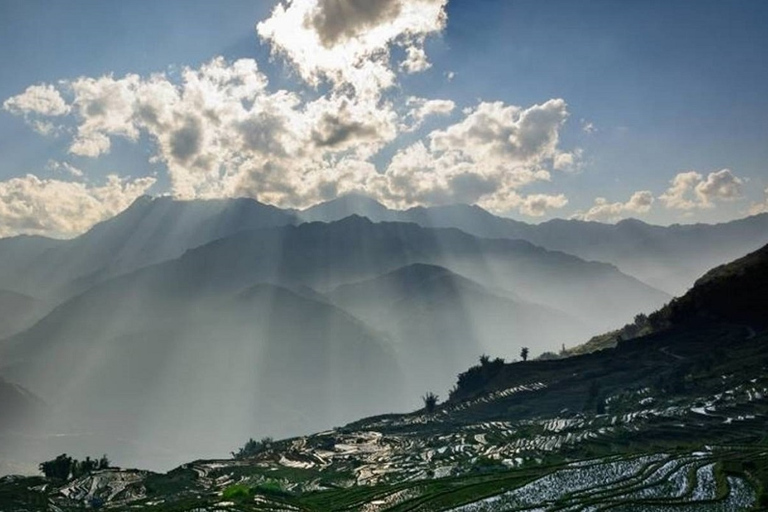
631, 221
354, 220
352, 199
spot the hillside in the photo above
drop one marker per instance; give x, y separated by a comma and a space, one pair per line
150, 231
17, 311
674, 419
159, 369
732, 293
442, 321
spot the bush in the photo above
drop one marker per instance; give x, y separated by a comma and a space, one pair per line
236, 491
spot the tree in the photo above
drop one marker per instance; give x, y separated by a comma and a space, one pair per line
430, 402
59, 468
253, 448
524, 353
64, 467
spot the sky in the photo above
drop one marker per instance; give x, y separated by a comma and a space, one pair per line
589, 109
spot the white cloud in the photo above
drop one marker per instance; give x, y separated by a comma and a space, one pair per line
221, 132
486, 158
756, 208
568, 161
31, 205
416, 60
422, 108
588, 127
537, 205
504, 135
349, 41
719, 186
40, 99
690, 190
603, 210
104, 106
64, 167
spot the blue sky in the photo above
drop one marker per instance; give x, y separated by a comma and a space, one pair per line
651, 91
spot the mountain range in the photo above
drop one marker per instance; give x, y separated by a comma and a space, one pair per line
157, 323
671, 419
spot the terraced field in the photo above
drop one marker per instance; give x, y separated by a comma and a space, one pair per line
532, 441
703, 480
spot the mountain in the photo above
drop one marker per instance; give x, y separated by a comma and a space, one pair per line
442, 322
173, 373
21, 411
160, 355
734, 292
326, 255
731, 293
18, 257
672, 420
347, 205
147, 232
669, 258
19, 406
155, 230
17, 311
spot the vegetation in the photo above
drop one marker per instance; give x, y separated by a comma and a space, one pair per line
430, 402
477, 377
253, 448
65, 467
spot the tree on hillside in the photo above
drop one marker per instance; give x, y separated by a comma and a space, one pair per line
65, 467
253, 447
58, 468
430, 402
477, 377
524, 353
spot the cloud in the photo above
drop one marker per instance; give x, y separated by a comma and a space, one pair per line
588, 127
30, 205
105, 107
603, 210
485, 158
416, 60
756, 208
719, 186
64, 167
41, 99
504, 135
568, 161
537, 205
422, 108
221, 131
690, 190
348, 42
336, 21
